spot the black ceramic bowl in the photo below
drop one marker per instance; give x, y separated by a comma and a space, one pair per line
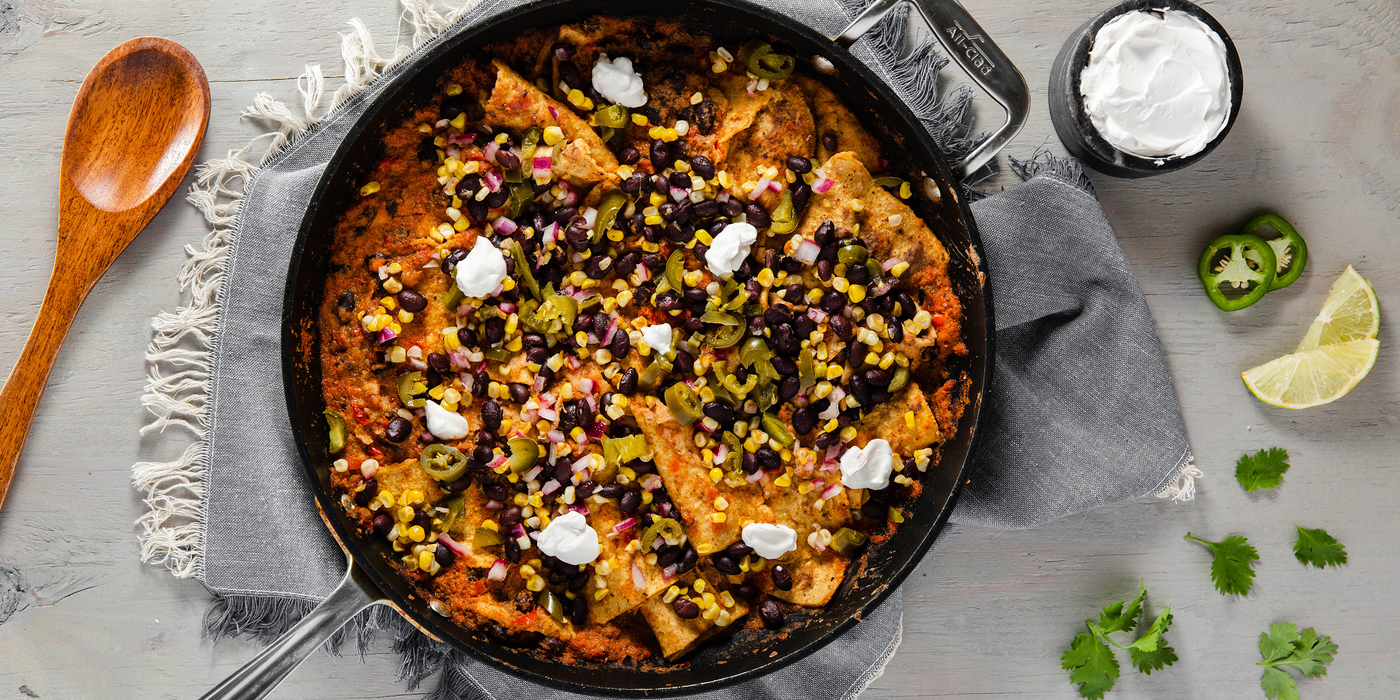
1078, 133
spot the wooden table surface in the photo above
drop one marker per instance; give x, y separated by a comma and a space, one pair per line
987, 613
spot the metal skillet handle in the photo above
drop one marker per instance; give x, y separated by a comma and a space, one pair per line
966, 43
258, 677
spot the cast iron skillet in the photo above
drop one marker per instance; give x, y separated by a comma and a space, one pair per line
748, 654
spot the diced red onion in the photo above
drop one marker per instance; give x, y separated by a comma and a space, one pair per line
553, 112
721, 452
493, 180
669, 572
539, 383
652, 482
580, 477
722, 197
754, 477
497, 291
643, 274
775, 186
506, 226
625, 525
490, 153
590, 215
368, 471
533, 473
598, 430
517, 531
581, 464
835, 408
807, 251
760, 188
494, 505
497, 461
453, 151
819, 546
816, 314
592, 403
821, 185
549, 414
459, 361
498, 571
550, 486
550, 233
574, 362
888, 264
547, 399
586, 385
608, 335
387, 334
679, 194
555, 436
578, 509
561, 53
570, 197
427, 437
452, 544
831, 491
540, 167
508, 307
638, 579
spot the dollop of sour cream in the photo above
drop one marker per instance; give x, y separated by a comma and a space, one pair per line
730, 247
617, 82
658, 337
445, 424
570, 539
483, 270
1157, 86
867, 467
770, 541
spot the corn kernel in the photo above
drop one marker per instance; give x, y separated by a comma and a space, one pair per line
716, 474
639, 119
553, 135
535, 583
848, 432
671, 594
703, 549
717, 517
727, 599
721, 503
416, 533
369, 189
909, 419
857, 293
783, 481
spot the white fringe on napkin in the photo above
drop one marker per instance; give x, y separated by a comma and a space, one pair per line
179, 372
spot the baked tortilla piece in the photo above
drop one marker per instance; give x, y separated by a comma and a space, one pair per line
508, 615
678, 636
831, 115
407, 476
782, 126
687, 479
888, 421
815, 576
464, 528
615, 549
516, 104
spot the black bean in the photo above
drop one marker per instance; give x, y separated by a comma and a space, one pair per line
749, 592
398, 430
725, 565
382, 524
628, 383
579, 612
801, 195
412, 301
511, 515
610, 491
771, 614
825, 233
571, 76
422, 520
733, 207
455, 256
824, 269
756, 326
563, 215
631, 500
874, 510
857, 274
597, 268
799, 164
688, 560
896, 333
786, 366
825, 440
702, 167
685, 608
788, 388
782, 580
577, 234
804, 419
738, 550
367, 494
480, 384
512, 550
629, 156
621, 345
495, 492
829, 141
494, 329
445, 556
768, 458
706, 209
685, 362
785, 340
878, 377
478, 210
660, 154
562, 51
497, 198
508, 159
722, 413
879, 396
756, 215
840, 326
680, 180
860, 389
466, 337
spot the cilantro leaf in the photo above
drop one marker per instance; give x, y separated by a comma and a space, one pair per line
1150, 652
1262, 471
1115, 618
1318, 548
1231, 570
1278, 685
1091, 665
1284, 645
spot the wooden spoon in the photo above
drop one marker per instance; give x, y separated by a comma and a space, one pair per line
134, 130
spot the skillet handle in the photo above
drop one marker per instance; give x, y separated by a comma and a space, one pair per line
967, 43
258, 677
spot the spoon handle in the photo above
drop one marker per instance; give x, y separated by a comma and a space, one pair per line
20, 396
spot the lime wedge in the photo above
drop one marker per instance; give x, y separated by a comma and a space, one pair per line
1350, 313
1314, 377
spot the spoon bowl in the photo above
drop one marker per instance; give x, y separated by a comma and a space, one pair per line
134, 131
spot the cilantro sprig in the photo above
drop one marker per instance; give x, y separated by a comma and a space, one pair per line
1264, 470
1231, 570
1284, 645
1318, 548
1090, 660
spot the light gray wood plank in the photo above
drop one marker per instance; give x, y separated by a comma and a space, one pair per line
987, 613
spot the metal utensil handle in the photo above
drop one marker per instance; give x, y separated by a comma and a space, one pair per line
966, 43
258, 677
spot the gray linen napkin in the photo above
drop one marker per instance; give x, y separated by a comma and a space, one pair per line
1082, 412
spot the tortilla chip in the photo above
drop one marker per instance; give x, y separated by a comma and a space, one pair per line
783, 127
407, 476
517, 104
623, 594
831, 115
815, 576
679, 636
687, 479
888, 421
509, 616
